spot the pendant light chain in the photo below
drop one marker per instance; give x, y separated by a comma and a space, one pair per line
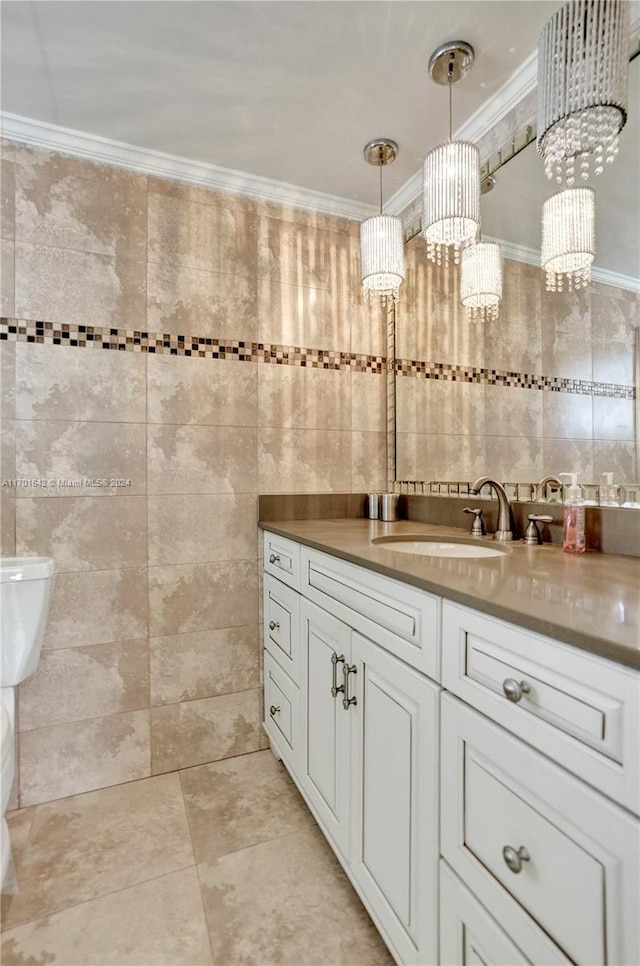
450, 85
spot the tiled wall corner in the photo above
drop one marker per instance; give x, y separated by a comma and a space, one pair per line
151, 656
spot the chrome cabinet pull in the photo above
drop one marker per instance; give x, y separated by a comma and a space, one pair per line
348, 669
515, 859
274, 558
335, 660
273, 625
273, 710
514, 690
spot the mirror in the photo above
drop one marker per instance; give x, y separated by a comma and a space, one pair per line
549, 386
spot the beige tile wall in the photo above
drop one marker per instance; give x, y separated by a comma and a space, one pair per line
151, 658
453, 430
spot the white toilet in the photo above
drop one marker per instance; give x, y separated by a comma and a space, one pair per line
26, 584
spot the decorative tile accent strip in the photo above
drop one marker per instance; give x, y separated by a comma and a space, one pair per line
130, 340
516, 380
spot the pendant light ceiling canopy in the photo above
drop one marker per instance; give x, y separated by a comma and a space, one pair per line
583, 68
451, 173
381, 239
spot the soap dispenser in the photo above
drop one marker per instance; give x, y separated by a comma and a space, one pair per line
608, 491
573, 535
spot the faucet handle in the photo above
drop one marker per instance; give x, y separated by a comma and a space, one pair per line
532, 535
477, 527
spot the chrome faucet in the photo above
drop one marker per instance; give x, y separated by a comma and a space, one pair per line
541, 487
506, 527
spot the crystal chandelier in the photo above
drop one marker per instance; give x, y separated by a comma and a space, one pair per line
381, 241
451, 173
568, 238
583, 66
481, 281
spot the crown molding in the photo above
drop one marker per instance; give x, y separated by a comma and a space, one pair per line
614, 278
522, 82
405, 196
517, 253
91, 147
520, 253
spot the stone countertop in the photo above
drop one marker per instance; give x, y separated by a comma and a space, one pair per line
589, 600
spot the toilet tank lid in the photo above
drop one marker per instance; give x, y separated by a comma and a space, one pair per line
26, 568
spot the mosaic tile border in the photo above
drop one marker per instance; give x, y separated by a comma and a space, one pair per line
132, 340
516, 380
154, 343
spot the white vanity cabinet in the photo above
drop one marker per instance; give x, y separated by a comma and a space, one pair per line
496, 824
394, 812
522, 832
541, 839
365, 750
369, 727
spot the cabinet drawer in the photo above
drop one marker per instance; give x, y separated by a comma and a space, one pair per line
404, 620
282, 559
280, 708
469, 936
573, 859
281, 610
579, 709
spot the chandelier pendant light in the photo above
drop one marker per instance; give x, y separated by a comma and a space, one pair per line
381, 241
583, 67
568, 238
451, 172
481, 281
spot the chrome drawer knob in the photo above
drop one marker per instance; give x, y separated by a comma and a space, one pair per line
273, 625
273, 710
515, 859
514, 690
274, 558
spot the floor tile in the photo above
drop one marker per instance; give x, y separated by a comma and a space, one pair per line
287, 901
158, 923
239, 802
93, 844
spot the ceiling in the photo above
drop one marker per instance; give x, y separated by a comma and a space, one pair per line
289, 91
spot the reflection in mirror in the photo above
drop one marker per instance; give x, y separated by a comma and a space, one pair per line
548, 387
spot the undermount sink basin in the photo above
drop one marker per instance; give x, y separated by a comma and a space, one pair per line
435, 547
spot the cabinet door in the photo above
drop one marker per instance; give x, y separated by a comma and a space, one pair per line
324, 721
469, 936
394, 767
